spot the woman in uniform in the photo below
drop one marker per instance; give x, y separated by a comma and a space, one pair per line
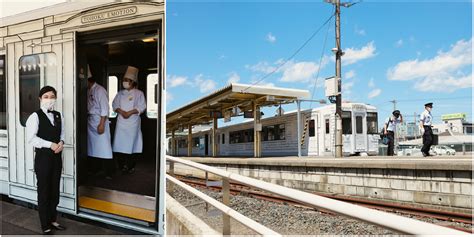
45, 132
129, 103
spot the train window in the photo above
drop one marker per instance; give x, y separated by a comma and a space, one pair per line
312, 129
196, 142
327, 126
112, 90
241, 136
182, 143
346, 122
223, 138
372, 123
151, 95
35, 70
273, 132
3, 93
358, 124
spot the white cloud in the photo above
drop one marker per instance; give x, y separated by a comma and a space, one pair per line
174, 81
205, 85
399, 43
233, 78
359, 31
374, 93
222, 57
350, 74
169, 97
290, 71
353, 55
347, 88
440, 73
371, 83
271, 38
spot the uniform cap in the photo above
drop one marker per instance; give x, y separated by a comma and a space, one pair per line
429, 105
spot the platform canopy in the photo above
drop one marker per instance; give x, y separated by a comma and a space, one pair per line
226, 100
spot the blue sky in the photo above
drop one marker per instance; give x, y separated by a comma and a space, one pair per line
411, 52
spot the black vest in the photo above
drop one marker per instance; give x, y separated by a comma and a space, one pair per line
46, 130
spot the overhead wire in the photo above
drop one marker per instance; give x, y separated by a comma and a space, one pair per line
292, 56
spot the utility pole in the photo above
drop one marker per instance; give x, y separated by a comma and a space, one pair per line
394, 104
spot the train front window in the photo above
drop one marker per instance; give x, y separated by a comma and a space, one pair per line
372, 123
312, 128
35, 70
346, 122
112, 90
3, 93
151, 95
359, 125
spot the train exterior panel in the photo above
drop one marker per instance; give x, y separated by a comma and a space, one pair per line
44, 41
279, 134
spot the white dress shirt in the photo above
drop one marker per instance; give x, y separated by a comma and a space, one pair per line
426, 118
392, 123
32, 126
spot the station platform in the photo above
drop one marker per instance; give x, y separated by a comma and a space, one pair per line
437, 182
19, 220
381, 162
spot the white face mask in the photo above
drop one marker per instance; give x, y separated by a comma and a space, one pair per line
48, 104
126, 85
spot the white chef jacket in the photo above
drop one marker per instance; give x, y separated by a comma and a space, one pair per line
98, 145
32, 126
128, 135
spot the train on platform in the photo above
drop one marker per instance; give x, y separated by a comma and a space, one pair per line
53, 46
279, 134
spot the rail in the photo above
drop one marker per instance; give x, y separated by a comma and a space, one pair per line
387, 220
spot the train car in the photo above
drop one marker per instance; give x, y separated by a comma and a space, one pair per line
279, 134
53, 46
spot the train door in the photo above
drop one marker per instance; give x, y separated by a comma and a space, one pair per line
360, 138
312, 135
32, 65
3, 127
327, 134
206, 144
125, 196
347, 133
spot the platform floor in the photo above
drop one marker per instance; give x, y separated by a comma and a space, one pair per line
19, 220
382, 162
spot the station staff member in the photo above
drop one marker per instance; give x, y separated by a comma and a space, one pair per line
129, 103
45, 132
389, 129
98, 131
425, 126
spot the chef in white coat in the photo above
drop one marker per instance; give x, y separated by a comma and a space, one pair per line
98, 130
129, 103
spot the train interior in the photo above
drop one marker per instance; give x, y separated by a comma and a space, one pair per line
125, 196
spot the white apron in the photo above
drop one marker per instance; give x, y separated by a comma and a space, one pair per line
98, 145
128, 134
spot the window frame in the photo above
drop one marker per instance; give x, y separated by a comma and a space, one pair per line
344, 118
361, 124
375, 119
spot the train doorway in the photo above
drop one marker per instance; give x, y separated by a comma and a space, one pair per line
125, 196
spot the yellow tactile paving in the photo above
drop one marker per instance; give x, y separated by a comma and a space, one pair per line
117, 209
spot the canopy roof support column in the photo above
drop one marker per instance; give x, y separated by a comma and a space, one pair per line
214, 137
173, 144
190, 140
257, 128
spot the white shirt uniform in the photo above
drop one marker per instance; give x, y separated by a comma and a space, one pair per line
426, 118
392, 123
32, 126
98, 145
128, 135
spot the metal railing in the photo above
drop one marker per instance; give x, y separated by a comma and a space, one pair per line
394, 222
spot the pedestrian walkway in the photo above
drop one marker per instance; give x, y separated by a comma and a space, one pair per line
18, 220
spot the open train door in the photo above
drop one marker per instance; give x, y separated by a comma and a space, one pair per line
32, 65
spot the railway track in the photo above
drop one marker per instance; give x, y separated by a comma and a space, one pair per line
239, 189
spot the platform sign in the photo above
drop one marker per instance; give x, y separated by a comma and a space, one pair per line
248, 114
216, 114
453, 116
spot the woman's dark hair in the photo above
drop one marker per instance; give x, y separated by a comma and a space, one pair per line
47, 89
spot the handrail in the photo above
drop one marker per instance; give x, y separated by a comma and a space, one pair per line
257, 227
391, 221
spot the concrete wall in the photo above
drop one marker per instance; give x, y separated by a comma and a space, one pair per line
449, 190
180, 221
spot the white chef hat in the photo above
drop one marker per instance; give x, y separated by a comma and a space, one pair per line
89, 73
131, 73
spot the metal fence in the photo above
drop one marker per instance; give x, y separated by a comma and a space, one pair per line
394, 222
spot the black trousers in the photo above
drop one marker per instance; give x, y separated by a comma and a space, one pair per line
391, 143
427, 140
48, 167
128, 160
96, 165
